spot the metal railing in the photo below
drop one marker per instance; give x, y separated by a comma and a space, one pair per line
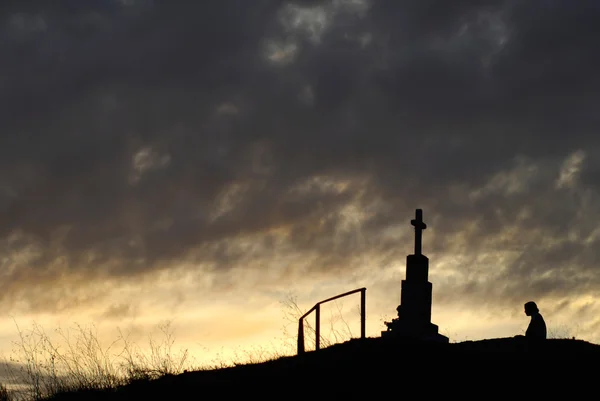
317, 309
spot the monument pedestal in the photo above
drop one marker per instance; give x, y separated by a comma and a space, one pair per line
414, 312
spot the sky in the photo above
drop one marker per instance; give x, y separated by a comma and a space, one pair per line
203, 163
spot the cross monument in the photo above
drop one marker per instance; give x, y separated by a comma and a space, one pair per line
414, 312
417, 222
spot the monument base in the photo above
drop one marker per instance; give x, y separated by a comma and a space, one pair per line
435, 338
413, 331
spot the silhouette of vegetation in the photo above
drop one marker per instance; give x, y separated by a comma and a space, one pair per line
363, 366
74, 360
71, 360
5, 394
80, 368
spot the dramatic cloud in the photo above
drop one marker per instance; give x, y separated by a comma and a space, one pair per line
252, 144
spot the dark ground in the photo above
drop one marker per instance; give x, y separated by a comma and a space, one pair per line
377, 368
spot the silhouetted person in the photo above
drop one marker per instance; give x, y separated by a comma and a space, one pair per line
536, 331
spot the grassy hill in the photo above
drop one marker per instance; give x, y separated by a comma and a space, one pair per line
377, 368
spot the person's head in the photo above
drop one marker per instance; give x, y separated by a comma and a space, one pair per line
531, 308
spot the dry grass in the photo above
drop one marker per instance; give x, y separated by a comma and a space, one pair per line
74, 359
45, 365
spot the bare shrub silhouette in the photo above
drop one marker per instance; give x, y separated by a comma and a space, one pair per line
561, 331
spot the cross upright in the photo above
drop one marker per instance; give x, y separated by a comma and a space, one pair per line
419, 227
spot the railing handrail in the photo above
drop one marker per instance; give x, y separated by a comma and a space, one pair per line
317, 310
331, 299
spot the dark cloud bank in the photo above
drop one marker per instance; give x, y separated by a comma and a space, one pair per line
135, 135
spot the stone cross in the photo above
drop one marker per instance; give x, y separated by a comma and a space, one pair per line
419, 227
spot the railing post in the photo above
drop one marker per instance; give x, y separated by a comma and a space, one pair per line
318, 327
301, 336
363, 312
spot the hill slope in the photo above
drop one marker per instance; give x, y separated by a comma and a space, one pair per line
376, 367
